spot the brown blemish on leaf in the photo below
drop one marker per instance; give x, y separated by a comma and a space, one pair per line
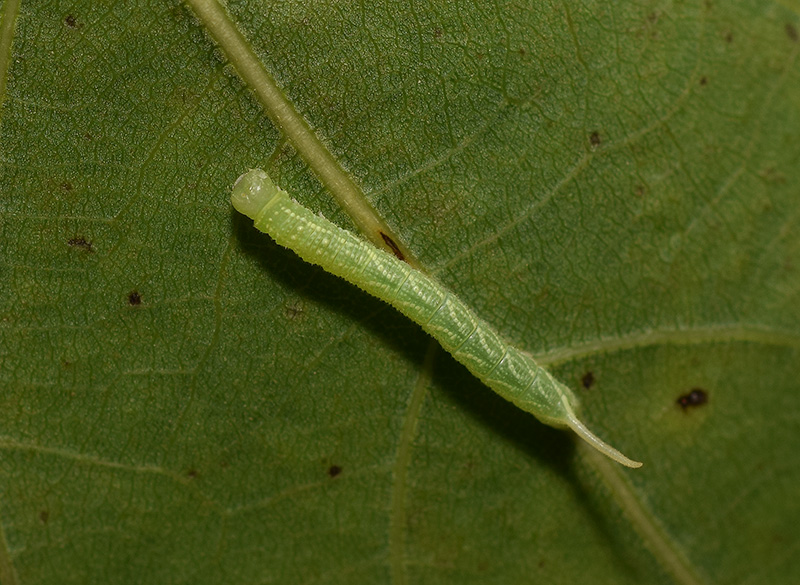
44, 516
395, 249
695, 397
334, 470
134, 298
293, 310
192, 473
703, 80
791, 32
81, 243
771, 174
71, 21
587, 380
594, 139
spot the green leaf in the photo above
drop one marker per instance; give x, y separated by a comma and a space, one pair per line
613, 187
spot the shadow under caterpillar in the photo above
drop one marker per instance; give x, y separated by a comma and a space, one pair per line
509, 371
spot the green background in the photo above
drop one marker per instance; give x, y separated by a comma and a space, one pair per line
613, 186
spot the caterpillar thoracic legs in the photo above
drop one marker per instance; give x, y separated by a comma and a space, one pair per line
510, 372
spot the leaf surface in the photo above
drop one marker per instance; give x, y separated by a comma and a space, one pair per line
614, 188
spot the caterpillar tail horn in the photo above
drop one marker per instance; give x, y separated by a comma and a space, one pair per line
584, 433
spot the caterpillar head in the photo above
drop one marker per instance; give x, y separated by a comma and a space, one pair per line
252, 191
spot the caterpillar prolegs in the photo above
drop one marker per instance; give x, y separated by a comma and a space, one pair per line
510, 372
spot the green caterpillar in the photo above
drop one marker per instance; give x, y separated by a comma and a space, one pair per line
507, 370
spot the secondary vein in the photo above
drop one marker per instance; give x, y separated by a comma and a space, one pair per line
653, 535
8, 18
722, 333
398, 521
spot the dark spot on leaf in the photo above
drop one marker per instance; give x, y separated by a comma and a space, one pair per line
179, 11
587, 380
395, 249
594, 139
44, 516
703, 80
695, 397
192, 473
66, 364
71, 21
293, 310
791, 32
437, 33
639, 191
134, 298
81, 243
522, 52
186, 97
334, 470
729, 37
541, 563
66, 186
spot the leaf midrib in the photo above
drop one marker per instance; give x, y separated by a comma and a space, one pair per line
294, 126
